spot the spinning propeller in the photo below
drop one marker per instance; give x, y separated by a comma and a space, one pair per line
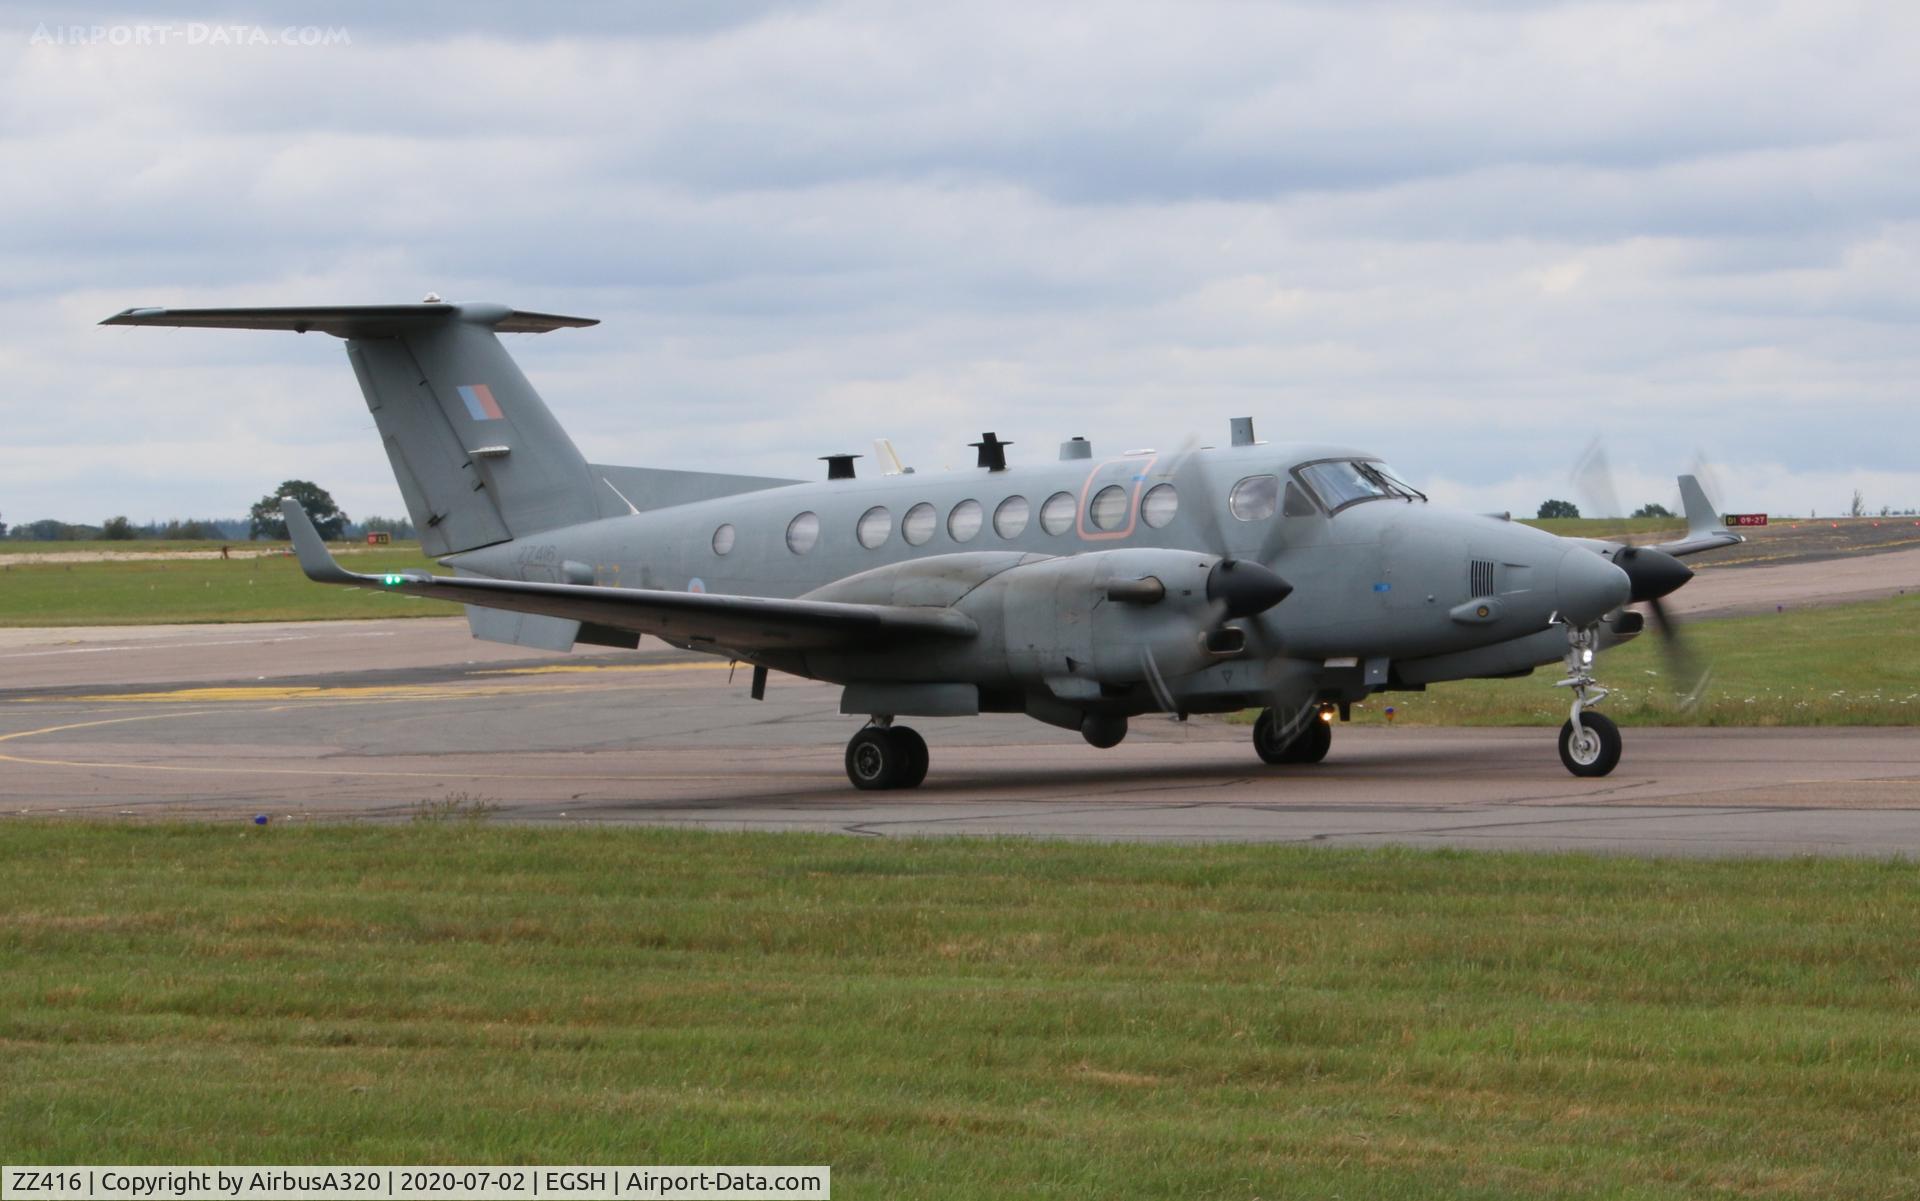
1236, 587
1651, 572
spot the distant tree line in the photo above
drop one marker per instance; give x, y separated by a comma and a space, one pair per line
263, 522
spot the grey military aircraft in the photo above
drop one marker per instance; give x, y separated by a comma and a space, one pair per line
1083, 592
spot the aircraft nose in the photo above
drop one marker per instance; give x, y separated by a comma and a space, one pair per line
1652, 573
1245, 587
1589, 587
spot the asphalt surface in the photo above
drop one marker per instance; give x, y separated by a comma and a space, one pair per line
385, 720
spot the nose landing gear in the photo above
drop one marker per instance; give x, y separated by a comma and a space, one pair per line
883, 756
1589, 742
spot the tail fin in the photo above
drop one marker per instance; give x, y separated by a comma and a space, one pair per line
1701, 519
1704, 530
478, 456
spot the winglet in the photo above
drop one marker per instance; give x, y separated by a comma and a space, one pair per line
315, 559
1701, 519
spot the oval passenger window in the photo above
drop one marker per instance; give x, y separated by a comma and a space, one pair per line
1056, 516
1109, 508
802, 532
1010, 519
917, 526
1159, 505
875, 524
964, 522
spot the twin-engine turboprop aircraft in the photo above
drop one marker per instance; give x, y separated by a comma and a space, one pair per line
1083, 592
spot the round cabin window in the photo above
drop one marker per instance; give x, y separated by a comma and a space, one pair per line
917, 526
1109, 508
875, 524
965, 520
1010, 519
802, 532
1056, 516
1159, 505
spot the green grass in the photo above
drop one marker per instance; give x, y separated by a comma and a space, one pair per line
1607, 527
962, 1018
157, 592
1838, 665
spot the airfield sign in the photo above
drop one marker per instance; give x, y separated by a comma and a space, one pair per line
1739, 519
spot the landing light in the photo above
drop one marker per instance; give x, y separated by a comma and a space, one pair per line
1586, 655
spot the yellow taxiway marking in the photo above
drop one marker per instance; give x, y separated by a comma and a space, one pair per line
84, 725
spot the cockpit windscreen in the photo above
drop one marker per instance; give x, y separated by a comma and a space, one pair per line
1342, 482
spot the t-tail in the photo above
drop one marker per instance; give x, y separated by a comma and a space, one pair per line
478, 456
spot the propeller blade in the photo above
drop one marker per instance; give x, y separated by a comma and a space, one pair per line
1689, 675
1157, 683
1593, 480
1182, 470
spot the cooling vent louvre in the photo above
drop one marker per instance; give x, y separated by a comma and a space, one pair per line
1480, 577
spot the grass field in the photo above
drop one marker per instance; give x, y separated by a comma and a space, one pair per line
149, 592
962, 1018
1607, 527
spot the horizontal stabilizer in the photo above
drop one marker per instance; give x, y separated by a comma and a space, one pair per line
352, 320
719, 623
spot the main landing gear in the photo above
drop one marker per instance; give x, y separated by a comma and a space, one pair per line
884, 755
1589, 742
1304, 739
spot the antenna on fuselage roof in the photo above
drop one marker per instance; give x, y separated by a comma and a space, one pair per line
1243, 432
993, 452
890, 463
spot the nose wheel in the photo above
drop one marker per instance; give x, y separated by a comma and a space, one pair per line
886, 756
1593, 747
1589, 742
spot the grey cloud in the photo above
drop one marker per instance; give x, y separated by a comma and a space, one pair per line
1467, 235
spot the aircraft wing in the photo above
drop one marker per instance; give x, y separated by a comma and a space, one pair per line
734, 623
1704, 529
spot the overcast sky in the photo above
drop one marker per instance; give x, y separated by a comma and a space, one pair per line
1471, 237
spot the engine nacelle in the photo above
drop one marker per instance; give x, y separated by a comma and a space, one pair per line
1099, 618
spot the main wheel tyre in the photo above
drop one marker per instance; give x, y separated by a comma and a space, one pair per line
1309, 743
914, 757
875, 759
1267, 742
1593, 752
1312, 743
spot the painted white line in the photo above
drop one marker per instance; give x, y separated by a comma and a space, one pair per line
163, 646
